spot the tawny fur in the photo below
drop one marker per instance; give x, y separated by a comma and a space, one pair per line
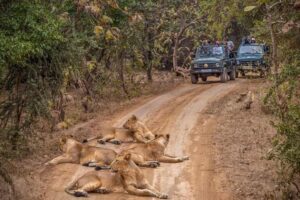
126, 174
134, 131
150, 154
78, 153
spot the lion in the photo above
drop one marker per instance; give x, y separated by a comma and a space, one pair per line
133, 130
150, 154
114, 136
124, 174
78, 153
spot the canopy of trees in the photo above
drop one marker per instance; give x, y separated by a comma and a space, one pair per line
47, 47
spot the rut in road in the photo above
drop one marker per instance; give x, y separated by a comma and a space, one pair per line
176, 113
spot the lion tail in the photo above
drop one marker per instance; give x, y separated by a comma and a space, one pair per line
70, 188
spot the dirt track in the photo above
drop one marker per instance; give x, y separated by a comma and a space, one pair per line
179, 113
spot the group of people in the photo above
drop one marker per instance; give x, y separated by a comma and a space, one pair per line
248, 40
226, 42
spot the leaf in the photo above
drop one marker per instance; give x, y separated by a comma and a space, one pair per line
249, 8
106, 20
109, 35
98, 30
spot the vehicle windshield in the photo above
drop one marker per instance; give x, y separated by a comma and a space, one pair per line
250, 50
210, 51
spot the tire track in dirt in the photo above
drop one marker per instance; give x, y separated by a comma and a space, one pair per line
146, 110
171, 178
59, 176
176, 113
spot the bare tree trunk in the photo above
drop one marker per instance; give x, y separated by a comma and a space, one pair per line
274, 43
176, 42
148, 50
121, 74
149, 72
61, 107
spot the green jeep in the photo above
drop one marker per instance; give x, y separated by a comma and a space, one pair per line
213, 61
251, 58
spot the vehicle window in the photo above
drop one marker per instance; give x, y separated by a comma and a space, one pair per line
209, 51
250, 50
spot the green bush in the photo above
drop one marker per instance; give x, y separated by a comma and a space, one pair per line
284, 100
34, 55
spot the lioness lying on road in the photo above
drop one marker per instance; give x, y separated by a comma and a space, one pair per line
150, 154
126, 174
134, 130
78, 153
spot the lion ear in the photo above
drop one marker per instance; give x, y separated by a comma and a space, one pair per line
127, 157
133, 117
63, 140
168, 136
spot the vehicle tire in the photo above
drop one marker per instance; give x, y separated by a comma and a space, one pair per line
261, 73
232, 74
223, 76
194, 78
204, 78
243, 73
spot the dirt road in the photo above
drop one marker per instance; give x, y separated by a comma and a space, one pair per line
179, 113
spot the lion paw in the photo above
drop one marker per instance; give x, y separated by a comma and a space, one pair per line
97, 168
163, 196
80, 194
85, 141
48, 164
154, 164
102, 191
185, 158
101, 141
116, 142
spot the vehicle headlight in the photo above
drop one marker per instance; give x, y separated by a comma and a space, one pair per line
217, 64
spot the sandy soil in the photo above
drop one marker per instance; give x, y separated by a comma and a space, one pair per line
199, 121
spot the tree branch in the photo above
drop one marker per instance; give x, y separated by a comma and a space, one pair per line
274, 4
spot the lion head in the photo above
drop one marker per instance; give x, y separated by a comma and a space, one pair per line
162, 138
121, 163
131, 122
63, 141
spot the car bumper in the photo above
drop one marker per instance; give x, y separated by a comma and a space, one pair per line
249, 67
207, 70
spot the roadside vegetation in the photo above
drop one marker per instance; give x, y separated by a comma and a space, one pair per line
110, 50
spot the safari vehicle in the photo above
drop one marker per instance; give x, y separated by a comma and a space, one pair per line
213, 61
251, 58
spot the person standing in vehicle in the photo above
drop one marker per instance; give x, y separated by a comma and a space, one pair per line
230, 45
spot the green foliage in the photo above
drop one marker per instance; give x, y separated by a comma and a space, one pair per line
34, 53
283, 99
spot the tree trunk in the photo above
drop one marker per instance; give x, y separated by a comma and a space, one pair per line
176, 42
175, 51
148, 50
121, 74
149, 72
274, 45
